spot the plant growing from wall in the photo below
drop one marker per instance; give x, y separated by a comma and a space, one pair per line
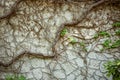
118, 32
63, 32
113, 69
96, 36
106, 43
15, 77
116, 44
116, 24
72, 40
82, 44
102, 34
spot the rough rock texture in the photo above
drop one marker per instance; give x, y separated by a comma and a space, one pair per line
33, 28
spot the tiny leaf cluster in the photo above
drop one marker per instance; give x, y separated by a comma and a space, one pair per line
109, 44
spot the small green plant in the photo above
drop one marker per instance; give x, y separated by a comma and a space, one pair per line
113, 69
72, 40
116, 24
15, 77
118, 32
63, 32
82, 44
102, 33
106, 44
109, 45
96, 36
116, 44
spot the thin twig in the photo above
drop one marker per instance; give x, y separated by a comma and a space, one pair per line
25, 53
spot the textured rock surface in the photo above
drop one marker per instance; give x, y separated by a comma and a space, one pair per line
34, 28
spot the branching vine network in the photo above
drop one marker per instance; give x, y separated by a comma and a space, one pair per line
13, 10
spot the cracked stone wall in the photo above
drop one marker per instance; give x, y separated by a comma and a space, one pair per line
33, 28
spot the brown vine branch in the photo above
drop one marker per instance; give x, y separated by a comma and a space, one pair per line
73, 23
13, 9
40, 55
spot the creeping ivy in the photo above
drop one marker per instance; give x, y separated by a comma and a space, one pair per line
15, 77
72, 40
104, 33
116, 24
113, 69
116, 44
101, 33
118, 32
106, 43
82, 44
63, 32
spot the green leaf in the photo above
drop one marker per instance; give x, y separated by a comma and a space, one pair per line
118, 63
72, 40
63, 32
104, 33
8, 77
15, 77
116, 44
96, 36
116, 24
118, 32
112, 68
82, 44
107, 43
22, 78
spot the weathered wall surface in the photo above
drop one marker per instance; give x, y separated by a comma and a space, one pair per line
33, 29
